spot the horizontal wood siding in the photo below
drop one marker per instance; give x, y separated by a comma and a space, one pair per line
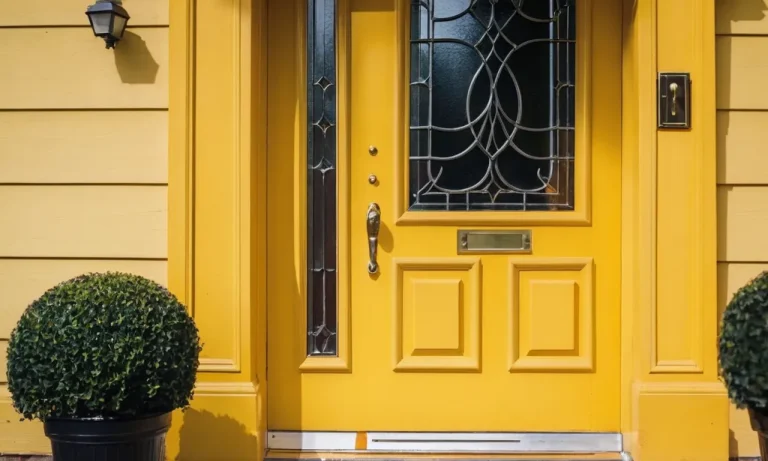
3, 362
742, 135
68, 68
40, 13
84, 147
742, 223
83, 160
742, 125
741, 17
741, 71
83, 221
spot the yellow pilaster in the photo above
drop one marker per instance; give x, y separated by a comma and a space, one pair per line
675, 408
216, 220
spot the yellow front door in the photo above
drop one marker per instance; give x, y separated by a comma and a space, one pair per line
486, 133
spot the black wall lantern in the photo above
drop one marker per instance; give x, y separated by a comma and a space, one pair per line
108, 20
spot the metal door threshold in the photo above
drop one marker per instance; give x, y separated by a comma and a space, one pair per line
527, 443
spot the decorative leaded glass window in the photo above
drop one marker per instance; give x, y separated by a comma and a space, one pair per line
321, 178
492, 104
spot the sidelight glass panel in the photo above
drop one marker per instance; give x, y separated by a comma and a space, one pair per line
321, 179
492, 105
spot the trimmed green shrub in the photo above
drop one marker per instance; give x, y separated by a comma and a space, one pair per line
103, 345
743, 345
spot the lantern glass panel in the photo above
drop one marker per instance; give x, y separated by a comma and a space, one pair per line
119, 27
101, 22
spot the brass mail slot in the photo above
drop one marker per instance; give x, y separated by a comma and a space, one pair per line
492, 241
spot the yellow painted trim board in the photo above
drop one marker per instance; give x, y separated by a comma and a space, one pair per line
639, 46
673, 405
216, 226
181, 150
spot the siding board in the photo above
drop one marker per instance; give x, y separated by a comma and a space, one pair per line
19, 437
24, 280
741, 142
742, 217
72, 13
742, 63
83, 221
84, 147
741, 17
3, 361
68, 68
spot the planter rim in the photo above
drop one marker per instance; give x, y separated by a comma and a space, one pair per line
108, 418
106, 431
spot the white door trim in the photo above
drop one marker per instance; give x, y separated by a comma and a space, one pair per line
447, 442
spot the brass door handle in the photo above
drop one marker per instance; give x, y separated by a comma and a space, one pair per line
373, 223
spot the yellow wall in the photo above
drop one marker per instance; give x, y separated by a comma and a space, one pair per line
742, 169
83, 159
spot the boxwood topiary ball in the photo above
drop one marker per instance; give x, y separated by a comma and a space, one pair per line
103, 345
743, 345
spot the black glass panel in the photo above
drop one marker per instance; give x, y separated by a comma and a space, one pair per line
321, 178
492, 104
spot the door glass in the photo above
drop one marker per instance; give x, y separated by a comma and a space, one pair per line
321, 178
492, 105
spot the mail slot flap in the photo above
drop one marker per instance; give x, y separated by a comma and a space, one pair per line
493, 241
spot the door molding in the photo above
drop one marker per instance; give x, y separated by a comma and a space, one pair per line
204, 98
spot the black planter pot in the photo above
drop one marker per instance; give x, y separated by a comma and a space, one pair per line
139, 439
759, 422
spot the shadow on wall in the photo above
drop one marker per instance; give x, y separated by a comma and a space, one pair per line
133, 60
741, 10
206, 437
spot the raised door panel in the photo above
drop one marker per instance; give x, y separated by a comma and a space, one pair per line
437, 314
551, 315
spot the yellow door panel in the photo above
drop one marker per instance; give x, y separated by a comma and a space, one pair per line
438, 339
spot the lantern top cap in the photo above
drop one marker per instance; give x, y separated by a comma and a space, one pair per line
112, 6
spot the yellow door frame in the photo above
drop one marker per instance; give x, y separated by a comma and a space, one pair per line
673, 406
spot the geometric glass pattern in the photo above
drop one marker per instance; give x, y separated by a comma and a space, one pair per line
321, 178
492, 105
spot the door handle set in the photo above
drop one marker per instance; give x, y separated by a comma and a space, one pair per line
373, 224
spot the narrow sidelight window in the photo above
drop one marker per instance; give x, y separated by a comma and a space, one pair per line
492, 104
321, 179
